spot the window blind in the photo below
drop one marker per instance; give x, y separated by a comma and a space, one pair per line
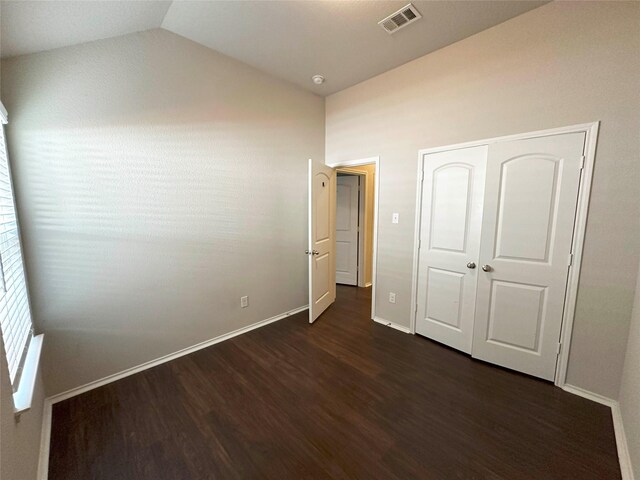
15, 315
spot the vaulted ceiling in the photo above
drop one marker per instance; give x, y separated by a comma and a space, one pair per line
292, 40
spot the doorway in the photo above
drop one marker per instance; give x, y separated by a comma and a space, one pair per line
355, 201
355, 218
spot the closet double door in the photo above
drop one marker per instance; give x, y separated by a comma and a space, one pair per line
496, 234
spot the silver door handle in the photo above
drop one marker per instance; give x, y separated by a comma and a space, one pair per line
315, 252
307, 252
487, 268
471, 265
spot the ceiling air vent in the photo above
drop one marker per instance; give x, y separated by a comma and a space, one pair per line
397, 20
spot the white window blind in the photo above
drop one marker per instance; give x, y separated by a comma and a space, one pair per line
15, 315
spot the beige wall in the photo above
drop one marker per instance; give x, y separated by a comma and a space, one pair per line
370, 193
19, 437
630, 388
157, 182
562, 64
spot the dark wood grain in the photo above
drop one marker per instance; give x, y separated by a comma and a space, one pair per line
344, 398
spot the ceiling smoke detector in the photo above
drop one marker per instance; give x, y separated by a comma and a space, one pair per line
318, 79
400, 19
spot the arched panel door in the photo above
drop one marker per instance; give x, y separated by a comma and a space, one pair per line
322, 238
451, 213
529, 211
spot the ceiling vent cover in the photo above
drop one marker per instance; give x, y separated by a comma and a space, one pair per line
400, 19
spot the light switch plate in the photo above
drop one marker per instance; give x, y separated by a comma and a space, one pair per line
392, 297
395, 218
244, 302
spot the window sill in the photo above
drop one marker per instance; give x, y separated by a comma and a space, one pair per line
23, 397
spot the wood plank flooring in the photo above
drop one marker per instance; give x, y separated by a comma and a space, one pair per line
344, 398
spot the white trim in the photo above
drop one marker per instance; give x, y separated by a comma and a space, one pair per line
45, 441
580, 223
309, 235
23, 397
376, 162
172, 356
4, 116
362, 233
416, 242
577, 247
582, 127
389, 324
624, 458
626, 467
594, 397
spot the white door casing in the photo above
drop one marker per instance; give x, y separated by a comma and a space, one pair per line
322, 239
451, 212
531, 193
347, 219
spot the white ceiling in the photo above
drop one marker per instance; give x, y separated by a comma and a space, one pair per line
33, 26
293, 40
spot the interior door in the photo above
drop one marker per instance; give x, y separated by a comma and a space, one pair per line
450, 245
347, 214
529, 210
322, 238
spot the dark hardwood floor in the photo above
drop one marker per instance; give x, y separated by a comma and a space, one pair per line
344, 398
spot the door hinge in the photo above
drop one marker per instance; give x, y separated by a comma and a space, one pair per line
582, 160
419, 243
422, 176
570, 260
559, 348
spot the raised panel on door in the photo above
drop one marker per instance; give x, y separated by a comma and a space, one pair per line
451, 214
347, 229
322, 248
530, 201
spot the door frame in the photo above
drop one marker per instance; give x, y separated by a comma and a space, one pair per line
579, 227
362, 197
376, 162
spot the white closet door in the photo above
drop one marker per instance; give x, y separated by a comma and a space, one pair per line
529, 209
449, 245
347, 213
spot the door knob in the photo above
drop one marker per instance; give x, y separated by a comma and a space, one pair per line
471, 265
487, 268
307, 252
315, 252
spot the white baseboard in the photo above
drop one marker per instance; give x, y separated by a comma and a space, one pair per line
167, 358
621, 439
626, 467
45, 441
594, 397
387, 323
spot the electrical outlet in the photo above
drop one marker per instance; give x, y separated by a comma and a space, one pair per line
395, 218
392, 297
244, 302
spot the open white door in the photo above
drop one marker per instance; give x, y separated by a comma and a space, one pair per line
453, 189
347, 214
322, 238
525, 253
